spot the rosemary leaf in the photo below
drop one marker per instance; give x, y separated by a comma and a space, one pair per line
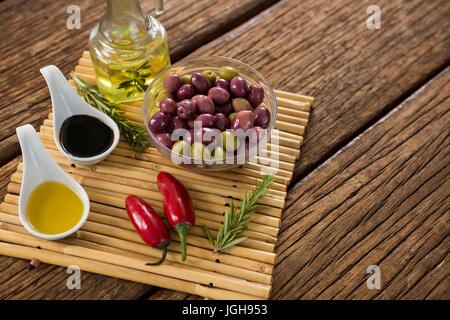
135, 135
235, 221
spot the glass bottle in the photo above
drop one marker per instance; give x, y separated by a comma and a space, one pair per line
128, 48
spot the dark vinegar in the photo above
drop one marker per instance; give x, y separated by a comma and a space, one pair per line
85, 136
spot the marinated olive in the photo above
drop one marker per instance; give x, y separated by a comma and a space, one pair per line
260, 133
262, 117
240, 104
255, 95
224, 84
205, 105
168, 106
186, 79
218, 153
207, 135
200, 82
222, 122
165, 140
228, 73
243, 120
229, 141
159, 123
196, 97
186, 109
186, 91
239, 86
182, 148
211, 75
207, 120
200, 152
172, 82
231, 116
225, 108
177, 123
161, 96
218, 95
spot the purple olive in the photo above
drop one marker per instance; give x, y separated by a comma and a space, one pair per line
222, 122
207, 135
190, 123
205, 105
243, 120
196, 97
177, 123
168, 106
186, 109
207, 120
165, 139
218, 95
240, 104
159, 123
172, 82
225, 108
262, 117
260, 133
186, 91
238, 86
200, 82
224, 84
255, 95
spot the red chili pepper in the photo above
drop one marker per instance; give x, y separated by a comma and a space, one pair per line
148, 224
178, 207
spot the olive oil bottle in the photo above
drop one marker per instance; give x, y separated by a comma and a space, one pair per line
128, 48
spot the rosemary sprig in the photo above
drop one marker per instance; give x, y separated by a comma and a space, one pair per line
135, 135
137, 81
235, 221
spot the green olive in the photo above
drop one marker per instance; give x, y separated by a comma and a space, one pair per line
218, 153
211, 75
200, 151
182, 148
231, 116
186, 79
228, 73
229, 141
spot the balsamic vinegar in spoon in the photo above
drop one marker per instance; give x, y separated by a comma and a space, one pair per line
85, 136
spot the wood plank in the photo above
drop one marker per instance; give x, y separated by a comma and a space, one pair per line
39, 39
382, 200
324, 49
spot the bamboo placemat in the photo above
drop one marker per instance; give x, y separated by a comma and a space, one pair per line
108, 244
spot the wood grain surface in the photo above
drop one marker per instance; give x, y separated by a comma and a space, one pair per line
373, 169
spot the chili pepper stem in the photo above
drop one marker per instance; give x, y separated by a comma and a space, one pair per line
182, 230
163, 247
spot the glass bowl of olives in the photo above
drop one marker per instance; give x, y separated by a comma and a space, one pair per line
209, 113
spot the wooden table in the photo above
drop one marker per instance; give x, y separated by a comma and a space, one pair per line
372, 185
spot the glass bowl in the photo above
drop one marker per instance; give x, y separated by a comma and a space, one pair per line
199, 64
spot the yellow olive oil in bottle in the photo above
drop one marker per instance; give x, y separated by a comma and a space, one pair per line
128, 48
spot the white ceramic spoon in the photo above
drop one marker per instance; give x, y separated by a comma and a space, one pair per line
66, 103
39, 167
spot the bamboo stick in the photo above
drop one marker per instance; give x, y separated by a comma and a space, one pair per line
118, 272
193, 251
138, 262
192, 240
256, 240
294, 96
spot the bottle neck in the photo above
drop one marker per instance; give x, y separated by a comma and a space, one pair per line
118, 8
